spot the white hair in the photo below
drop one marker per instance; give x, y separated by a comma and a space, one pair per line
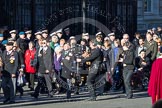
58, 49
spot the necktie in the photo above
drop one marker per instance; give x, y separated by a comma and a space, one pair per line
44, 51
8, 53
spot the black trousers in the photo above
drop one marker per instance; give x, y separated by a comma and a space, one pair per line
91, 83
67, 86
41, 83
57, 85
8, 85
68, 92
127, 75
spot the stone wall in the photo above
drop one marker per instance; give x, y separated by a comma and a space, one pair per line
147, 20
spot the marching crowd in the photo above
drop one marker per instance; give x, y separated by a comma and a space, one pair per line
50, 57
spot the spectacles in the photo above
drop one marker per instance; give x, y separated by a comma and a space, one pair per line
125, 38
43, 42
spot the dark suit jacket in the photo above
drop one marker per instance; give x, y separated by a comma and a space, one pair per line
128, 60
47, 57
8, 67
96, 59
21, 59
107, 58
135, 42
66, 65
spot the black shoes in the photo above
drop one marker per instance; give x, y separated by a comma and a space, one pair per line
68, 94
50, 94
57, 92
76, 93
34, 95
31, 89
92, 99
129, 96
21, 94
11, 102
7, 101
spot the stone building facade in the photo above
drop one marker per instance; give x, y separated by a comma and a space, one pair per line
149, 14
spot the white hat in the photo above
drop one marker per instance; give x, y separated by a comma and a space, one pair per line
106, 38
59, 31
85, 34
99, 33
153, 28
13, 31
38, 33
66, 29
53, 33
72, 37
111, 34
28, 32
45, 31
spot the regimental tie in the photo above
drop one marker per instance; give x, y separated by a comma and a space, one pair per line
44, 51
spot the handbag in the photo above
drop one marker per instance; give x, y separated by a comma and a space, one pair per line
31, 60
21, 81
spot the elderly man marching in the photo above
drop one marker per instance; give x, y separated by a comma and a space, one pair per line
10, 66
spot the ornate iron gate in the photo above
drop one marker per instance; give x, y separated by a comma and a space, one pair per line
36, 14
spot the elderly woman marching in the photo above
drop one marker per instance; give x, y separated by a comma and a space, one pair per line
30, 70
57, 65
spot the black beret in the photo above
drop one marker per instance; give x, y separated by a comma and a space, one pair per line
9, 44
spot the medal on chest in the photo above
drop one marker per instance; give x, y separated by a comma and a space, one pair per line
12, 58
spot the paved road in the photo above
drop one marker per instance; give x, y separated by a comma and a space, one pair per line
117, 100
